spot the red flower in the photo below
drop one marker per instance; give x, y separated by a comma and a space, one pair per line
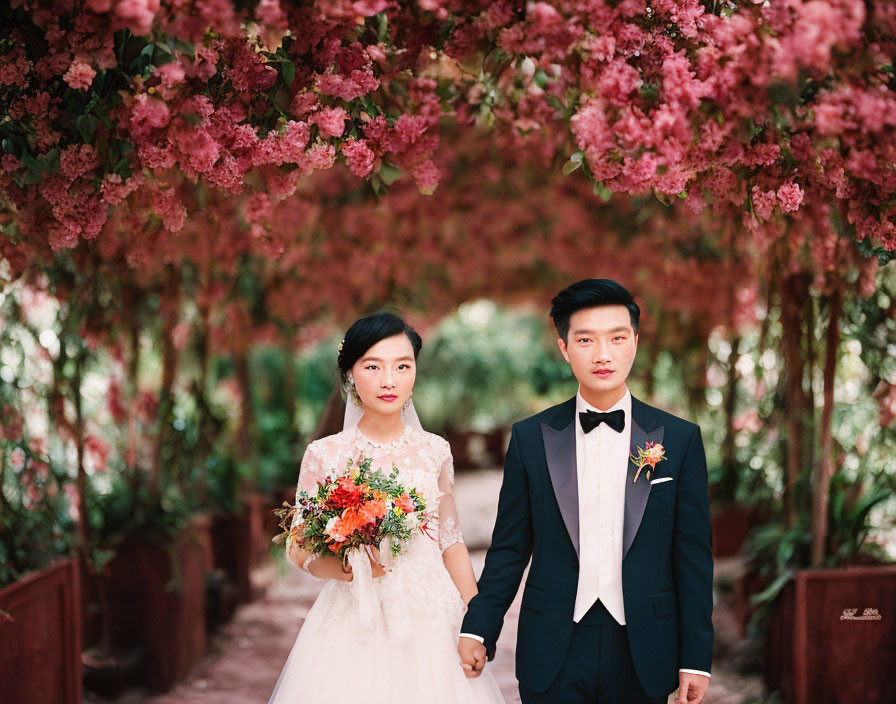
345, 494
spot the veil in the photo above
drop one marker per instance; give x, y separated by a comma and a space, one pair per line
353, 414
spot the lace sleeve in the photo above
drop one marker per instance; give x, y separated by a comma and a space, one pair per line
310, 473
449, 526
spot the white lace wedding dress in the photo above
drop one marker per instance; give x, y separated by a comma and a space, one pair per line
403, 648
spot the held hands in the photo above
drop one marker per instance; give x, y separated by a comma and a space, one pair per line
472, 656
691, 688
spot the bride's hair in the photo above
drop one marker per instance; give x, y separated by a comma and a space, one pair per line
366, 332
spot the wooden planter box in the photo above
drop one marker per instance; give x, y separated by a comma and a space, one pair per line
730, 525
496, 444
820, 651
40, 651
231, 546
259, 541
745, 587
157, 601
459, 441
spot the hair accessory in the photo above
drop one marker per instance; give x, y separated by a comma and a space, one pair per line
339, 349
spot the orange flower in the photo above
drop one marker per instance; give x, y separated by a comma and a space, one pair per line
346, 524
405, 503
372, 510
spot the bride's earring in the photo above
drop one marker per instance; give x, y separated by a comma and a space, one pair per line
408, 402
353, 392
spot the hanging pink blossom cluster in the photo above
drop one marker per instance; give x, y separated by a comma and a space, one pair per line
763, 106
763, 112
125, 96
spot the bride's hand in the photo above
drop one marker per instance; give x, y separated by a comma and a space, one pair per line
330, 568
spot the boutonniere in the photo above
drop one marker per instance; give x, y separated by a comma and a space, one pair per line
648, 456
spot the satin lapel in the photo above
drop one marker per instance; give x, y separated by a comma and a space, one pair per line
560, 452
636, 493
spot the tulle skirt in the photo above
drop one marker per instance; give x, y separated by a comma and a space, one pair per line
406, 655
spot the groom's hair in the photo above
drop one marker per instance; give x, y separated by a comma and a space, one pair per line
589, 294
366, 332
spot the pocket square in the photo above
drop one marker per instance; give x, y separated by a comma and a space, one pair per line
661, 479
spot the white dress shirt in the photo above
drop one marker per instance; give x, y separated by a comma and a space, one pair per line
601, 468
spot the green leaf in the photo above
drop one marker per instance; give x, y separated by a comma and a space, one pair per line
555, 102
575, 161
649, 91
147, 52
123, 168
86, 126
31, 163
662, 197
186, 48
281, 100
770, 592
541, 78
382, 27
389, 173
570, 166
288, 70
376, 183
601, 191
496, 61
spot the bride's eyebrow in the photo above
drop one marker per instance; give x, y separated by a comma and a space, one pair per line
377, 359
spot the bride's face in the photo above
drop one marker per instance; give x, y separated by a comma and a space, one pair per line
385, 374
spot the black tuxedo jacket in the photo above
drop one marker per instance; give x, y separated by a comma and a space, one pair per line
667, 551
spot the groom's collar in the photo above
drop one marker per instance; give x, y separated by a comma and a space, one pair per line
624, 403
565, 413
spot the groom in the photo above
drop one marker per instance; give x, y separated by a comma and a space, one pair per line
617, 607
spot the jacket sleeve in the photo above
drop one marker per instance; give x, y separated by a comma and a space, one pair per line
508, 555
692, 561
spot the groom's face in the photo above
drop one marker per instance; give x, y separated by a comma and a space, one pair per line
600, 348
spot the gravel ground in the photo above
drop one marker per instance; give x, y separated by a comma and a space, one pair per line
246, 655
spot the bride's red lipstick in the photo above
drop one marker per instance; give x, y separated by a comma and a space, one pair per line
388, 397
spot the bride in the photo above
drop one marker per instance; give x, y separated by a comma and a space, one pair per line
376, 634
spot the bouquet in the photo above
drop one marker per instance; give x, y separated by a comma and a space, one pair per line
360, 509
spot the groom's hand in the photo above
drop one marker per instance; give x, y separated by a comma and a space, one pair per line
691, 688
472, 656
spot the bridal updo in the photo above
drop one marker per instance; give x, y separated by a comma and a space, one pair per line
366, 332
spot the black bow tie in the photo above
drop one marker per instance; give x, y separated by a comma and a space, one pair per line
591, 419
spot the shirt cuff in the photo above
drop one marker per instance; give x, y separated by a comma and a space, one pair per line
474, 637
697, 672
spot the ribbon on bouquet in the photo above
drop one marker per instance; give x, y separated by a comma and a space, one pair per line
370, 610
